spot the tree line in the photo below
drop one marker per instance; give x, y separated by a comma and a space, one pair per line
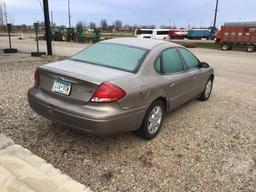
104, 26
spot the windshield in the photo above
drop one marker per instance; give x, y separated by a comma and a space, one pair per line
112, 55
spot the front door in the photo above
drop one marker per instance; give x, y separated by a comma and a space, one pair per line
198, 75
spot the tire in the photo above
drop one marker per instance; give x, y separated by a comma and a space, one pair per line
250, 48
207, 90
147, 130
225, 47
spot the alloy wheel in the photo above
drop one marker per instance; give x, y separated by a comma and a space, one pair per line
208, 89
155, 119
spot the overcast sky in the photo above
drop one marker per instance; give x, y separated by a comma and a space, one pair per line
158, 12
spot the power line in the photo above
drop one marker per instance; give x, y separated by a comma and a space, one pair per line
41, 5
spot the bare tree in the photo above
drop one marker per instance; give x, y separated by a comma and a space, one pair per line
166, 27
79, 26
118, 24
104, 24
148, 26
92, 25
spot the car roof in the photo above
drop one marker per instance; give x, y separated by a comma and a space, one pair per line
140, 42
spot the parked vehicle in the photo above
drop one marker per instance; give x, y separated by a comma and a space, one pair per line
58, 34
161, 34
86, 36
178, 33
120, 85
240, 34
199, 34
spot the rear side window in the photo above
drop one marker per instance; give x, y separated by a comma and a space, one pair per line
190, 60
171, 61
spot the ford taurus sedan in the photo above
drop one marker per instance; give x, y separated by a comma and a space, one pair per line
120, 85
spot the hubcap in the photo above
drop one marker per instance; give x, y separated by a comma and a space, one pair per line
155, 119
225, 47
208, 89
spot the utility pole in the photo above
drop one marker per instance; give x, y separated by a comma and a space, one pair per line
5, 13
52, 18
215, 16
69, 16
9, 29
1, 15
47, 27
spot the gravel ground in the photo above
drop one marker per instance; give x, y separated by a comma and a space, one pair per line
204, 146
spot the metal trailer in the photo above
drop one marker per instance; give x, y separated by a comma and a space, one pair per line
178, 33
199, 34
239, 34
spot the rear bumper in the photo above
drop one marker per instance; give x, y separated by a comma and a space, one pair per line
104, 119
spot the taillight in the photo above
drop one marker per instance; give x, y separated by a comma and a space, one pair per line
37, 77
107, 93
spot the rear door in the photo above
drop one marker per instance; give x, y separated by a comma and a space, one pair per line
175, 77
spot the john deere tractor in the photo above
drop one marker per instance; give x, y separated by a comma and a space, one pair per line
86, 36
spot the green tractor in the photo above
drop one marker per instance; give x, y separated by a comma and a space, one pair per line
85, 36
58, 34
71, 35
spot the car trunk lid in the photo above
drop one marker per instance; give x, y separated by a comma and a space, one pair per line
83, 78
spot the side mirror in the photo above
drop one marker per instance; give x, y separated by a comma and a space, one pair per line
203, 65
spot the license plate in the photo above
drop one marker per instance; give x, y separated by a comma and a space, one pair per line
62, 87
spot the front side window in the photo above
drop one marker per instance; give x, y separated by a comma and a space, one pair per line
171, 61
112, 55
190, 60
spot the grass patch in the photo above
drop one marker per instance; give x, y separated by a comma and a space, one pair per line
207, 45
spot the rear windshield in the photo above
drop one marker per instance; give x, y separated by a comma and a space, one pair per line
113, 55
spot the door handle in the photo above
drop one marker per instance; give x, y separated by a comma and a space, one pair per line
171, 84
194, 77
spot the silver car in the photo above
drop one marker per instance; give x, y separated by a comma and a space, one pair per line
120, 85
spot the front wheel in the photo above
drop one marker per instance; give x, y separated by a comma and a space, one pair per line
250, 48
207, 90
225, 47
153, 120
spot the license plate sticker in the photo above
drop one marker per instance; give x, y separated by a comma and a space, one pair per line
62, 87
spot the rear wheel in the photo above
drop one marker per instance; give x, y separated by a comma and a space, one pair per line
250, 48
152, 122
207, 90
225, 47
